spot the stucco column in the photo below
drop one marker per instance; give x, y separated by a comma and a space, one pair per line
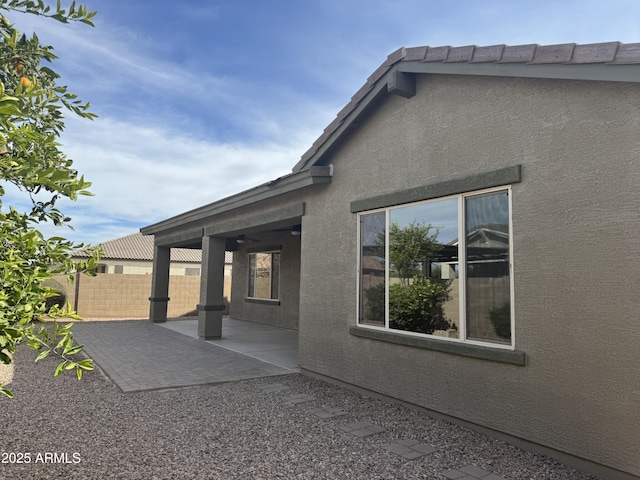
211, 304
160, 284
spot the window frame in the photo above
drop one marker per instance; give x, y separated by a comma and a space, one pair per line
270, 252
462, 338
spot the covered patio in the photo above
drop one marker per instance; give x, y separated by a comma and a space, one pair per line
266, 219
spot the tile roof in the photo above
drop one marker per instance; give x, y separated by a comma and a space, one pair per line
140, 247
477, 58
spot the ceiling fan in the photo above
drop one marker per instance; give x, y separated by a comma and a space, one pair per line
295, 230
245, 239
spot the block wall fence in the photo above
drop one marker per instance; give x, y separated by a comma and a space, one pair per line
127, 296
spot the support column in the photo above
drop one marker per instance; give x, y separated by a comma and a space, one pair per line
160, 285
211, 304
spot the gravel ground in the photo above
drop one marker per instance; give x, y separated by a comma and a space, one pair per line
229, 431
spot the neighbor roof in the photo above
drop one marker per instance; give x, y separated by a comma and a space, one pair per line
613, 61
140, 247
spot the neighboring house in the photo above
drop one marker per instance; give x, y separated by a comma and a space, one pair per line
133, 254
527, 161
112, 295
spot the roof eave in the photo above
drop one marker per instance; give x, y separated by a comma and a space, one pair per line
394, 81
285, 184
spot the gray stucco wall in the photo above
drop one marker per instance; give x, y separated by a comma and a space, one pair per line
283, 313
576, 231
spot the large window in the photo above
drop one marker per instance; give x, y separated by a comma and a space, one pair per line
264, 275
439, 268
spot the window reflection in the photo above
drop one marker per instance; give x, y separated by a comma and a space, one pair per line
431, 267
372, 269
488, 278
423, 268
264, 275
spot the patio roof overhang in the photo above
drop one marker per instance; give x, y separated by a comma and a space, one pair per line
187, 229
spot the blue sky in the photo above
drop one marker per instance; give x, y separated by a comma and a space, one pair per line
201, 99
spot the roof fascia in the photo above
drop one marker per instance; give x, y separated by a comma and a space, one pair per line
593, 72
238, 224
285, 184
182, 238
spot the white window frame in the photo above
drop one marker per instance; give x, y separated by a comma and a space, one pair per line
265, 252
462, 327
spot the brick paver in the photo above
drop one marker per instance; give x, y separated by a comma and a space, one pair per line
138, 355
362, 429
471, 472
300, 398
410, 449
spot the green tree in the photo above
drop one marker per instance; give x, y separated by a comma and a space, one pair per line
416, 304
419, 307
410, 247
32, 103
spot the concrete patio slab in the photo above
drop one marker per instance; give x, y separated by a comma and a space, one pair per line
278, 346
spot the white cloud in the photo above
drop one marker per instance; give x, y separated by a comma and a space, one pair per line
141, 175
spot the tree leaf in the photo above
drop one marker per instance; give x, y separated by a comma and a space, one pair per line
86, 364
59, 369
4, 358
74, 350
6, 391
43, 354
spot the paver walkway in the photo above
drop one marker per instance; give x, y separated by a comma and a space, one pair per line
138, 355
409, 449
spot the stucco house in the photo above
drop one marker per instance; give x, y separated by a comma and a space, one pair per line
501, 186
